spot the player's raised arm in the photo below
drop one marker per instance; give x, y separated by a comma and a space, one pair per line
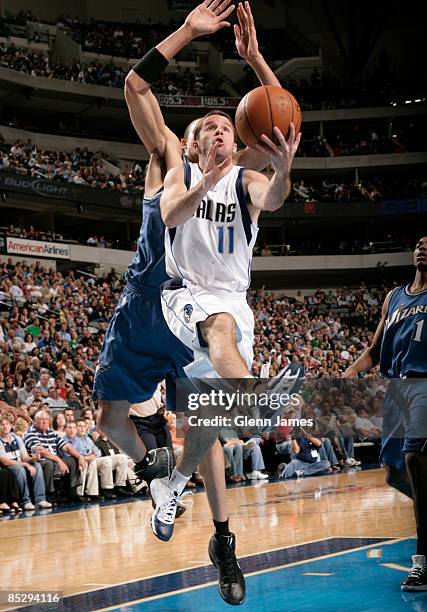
247, 47
371, 355
269, 195
144, 109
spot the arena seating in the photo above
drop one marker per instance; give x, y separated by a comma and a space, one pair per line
79, 166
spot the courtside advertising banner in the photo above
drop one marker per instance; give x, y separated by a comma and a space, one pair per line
37, 248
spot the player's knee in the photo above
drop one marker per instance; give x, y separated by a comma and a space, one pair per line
221, 325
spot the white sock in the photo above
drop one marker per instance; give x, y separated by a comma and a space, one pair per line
177, 481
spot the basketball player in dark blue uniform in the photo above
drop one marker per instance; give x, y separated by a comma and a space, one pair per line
139, 350
400, 347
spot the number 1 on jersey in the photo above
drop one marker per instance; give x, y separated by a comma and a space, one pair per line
419, 325
221, 239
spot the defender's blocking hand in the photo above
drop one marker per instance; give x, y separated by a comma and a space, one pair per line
209, 17
245, 33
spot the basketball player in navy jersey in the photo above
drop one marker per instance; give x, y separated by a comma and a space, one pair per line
139, 350
400, 347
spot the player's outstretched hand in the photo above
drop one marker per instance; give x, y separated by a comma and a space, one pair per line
245, 33
209, 17
212, 171
281, 154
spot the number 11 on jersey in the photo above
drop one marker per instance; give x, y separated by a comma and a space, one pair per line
224, 236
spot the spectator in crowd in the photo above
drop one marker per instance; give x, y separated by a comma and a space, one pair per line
88, 488
29, 344
104, 465
9, 492
45, 381
9, 394
25, 392
14, 456
72, 400
305, 455
150, 422
59, 423
366, 430
236, 451
108, 449
45, 444
69, 415
53, 401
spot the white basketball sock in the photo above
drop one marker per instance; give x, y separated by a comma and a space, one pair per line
177, 481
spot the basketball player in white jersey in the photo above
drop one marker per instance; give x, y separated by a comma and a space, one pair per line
165, 152
211, 231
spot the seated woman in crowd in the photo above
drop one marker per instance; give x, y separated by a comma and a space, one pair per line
59, 423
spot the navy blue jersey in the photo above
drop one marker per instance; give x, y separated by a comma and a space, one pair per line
148, 265
404, 343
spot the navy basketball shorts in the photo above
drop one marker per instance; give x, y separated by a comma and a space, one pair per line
139, 351
410, 395
414, 393
393, 432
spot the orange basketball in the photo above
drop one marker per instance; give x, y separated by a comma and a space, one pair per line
262, 109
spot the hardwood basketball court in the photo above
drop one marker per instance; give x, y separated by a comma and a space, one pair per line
105, 556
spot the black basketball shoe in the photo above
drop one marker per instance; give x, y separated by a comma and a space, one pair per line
231, 583
416, 580
161, 462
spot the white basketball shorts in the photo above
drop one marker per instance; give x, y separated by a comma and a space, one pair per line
185, 305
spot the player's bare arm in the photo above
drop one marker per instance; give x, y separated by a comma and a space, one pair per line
178, 204
247, 47
269, 195
371, 355
144, 108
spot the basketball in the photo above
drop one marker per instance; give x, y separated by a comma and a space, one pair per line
262, 109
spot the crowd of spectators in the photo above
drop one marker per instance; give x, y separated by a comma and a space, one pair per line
331, 245
93, 240
369, 189
324, 331
52, 327
56, 323
361, 142
132, 40
80, 167
181, 81
319, 91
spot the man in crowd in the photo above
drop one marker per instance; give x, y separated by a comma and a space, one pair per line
41, 441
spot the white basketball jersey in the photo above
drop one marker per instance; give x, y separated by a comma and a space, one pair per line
213, 249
